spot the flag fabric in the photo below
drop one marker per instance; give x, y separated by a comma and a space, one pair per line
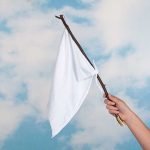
72, 80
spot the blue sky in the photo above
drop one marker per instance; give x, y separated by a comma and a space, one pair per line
114, 34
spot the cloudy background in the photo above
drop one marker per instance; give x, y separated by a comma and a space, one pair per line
114, 33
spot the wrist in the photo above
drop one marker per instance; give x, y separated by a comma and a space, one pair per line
129, 117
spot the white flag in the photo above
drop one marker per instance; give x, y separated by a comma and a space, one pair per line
72, 80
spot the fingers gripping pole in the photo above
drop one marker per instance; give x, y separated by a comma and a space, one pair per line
119, 120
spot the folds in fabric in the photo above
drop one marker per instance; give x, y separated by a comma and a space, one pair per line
72, 79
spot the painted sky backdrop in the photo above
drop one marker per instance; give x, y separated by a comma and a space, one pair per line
115, 34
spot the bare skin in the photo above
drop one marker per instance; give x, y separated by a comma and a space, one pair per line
134, 123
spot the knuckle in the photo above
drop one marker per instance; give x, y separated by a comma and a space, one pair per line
115, 108
119, 102
110, 103
110, 107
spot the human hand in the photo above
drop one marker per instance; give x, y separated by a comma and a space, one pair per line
116, 106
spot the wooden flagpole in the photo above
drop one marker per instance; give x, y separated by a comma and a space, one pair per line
120, 121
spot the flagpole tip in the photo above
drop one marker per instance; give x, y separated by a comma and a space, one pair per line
60, 16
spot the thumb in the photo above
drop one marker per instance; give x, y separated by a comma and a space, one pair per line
113, 98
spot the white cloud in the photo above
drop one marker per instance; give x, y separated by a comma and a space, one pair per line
89, 1
9, 8
132, 70
27, 56
125, 23
11, 115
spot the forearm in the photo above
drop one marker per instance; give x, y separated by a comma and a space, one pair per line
139, 129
